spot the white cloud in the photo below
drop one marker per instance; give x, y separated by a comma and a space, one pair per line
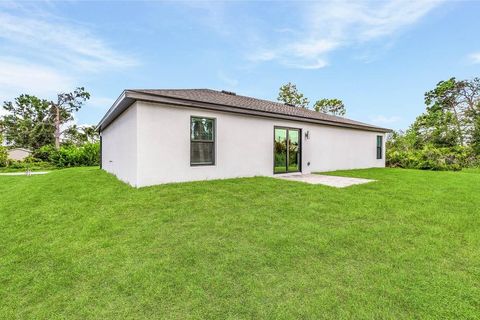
57, 41
328, 26
475, 57
100, 102
17, 76
43, 54
313, 48
376, 21
318, 64
382, 120
262, 55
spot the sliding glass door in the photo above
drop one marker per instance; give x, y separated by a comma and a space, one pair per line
287, 150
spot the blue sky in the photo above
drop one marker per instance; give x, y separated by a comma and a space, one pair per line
378, 56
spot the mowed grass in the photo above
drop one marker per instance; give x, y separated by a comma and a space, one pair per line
79, 244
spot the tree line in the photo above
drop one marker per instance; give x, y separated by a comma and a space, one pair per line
45, 127
289, 94
31, 122
447, 135
444, 137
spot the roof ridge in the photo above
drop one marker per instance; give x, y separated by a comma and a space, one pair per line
186, 89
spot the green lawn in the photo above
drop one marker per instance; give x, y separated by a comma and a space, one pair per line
79, 244
32, 168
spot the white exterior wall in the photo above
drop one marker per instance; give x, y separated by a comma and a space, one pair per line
119, 146
244, 146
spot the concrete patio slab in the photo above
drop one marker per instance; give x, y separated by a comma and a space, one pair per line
332, 181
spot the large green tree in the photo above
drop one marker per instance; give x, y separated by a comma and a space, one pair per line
64, 108
470, 99
330, 106
31, 122
290, 95
476, 133
438, 127
28, 122
79, 135
445, 135
456, 102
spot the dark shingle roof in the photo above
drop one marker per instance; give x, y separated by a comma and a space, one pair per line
233, 100
228, 102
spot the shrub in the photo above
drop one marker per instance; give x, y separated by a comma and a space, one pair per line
72, 156
29, 164
91, 154
432, 158
44, 153
3, 156
47, 157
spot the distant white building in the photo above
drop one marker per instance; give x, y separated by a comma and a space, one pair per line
151, 137
18, 154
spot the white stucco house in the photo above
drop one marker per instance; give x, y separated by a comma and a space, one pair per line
151, 137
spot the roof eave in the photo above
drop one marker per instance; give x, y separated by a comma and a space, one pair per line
121, 104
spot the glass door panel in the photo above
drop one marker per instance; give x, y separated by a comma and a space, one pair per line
293, 150
280, 151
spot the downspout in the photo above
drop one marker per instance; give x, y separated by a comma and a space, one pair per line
101, 151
